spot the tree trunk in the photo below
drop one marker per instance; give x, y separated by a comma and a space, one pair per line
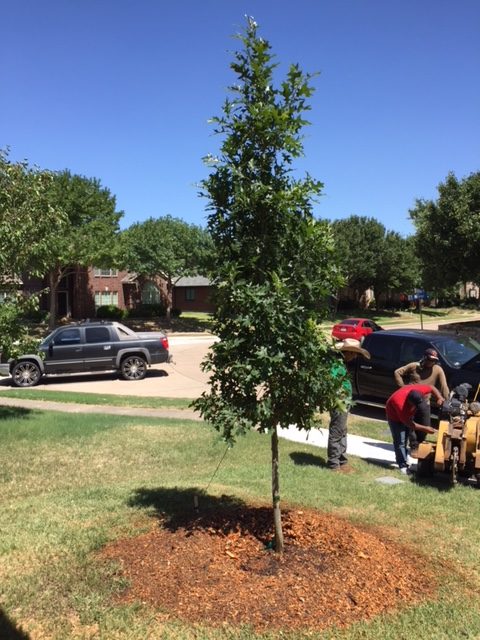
53, 280
169, 298
277, 515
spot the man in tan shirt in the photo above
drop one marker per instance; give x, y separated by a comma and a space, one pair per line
427, 371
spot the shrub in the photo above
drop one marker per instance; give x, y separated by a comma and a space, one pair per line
147, 311
110, 312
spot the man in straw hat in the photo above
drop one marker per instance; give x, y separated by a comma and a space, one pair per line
337, 433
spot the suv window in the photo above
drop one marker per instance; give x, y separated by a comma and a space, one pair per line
97, 334
458, 350
383, 348
67, 336
123, 333
411, 351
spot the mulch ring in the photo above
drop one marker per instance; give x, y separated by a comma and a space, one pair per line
219, 569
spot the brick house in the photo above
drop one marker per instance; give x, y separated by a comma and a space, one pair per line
193, 294
83, 290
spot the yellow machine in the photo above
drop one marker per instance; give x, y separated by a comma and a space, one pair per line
457, 447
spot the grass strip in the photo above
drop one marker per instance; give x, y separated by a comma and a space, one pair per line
98, 399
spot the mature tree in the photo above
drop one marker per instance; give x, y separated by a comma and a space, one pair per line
90, 233
28, 219
273, 263
28, 223
398, 268
359, 241
448, 232
167, 247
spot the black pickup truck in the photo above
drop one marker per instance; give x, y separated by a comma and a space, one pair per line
89, 347
373, 381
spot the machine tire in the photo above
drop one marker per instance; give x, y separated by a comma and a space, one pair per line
425, 468
26, 374
133, 368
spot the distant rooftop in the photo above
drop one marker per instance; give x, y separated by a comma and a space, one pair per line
194, 281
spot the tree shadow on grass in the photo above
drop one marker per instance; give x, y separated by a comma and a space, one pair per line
192, 509
307, 459
13, 413
9, 630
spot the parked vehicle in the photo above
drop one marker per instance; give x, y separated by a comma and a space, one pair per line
356, 328
373, 380
90, 347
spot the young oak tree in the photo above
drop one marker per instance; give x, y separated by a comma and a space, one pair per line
273, 266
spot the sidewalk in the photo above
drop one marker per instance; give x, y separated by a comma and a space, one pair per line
366, 448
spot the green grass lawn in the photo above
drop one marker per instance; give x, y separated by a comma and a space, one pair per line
67, 488
98, 399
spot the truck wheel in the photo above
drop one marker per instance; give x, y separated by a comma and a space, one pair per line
133, 368
26, 374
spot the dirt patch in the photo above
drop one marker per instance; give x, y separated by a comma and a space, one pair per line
220, 569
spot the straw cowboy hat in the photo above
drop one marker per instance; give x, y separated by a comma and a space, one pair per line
350, 344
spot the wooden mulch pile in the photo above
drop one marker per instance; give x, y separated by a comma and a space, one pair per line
219, 569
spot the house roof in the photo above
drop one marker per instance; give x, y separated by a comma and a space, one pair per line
129, 278
194, 281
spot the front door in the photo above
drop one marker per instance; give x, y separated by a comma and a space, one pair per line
65, 352
99, 351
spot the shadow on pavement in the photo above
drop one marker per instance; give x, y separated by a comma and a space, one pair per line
85, 377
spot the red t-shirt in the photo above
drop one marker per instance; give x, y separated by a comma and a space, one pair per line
397, 407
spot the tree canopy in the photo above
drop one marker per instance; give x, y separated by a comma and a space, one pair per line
371, 256
273, 263
167, 247
28, 219
448, 232
90, 233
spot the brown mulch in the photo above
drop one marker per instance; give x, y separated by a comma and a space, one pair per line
219, 569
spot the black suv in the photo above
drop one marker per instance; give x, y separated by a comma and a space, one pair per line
92, 346
373, 379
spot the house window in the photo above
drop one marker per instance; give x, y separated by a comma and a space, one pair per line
103, 298
190, 294
3, 297
150, 294
105, 273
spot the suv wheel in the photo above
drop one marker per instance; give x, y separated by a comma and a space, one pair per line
133, 368
26, 374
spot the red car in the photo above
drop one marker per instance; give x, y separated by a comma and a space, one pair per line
356, 328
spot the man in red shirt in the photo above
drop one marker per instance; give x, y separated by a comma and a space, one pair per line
402, 406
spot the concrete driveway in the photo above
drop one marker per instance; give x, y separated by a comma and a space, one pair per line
182, 378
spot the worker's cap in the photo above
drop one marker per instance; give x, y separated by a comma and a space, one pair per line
431, 354
416, 398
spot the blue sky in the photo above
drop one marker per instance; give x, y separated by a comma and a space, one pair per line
122, 90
